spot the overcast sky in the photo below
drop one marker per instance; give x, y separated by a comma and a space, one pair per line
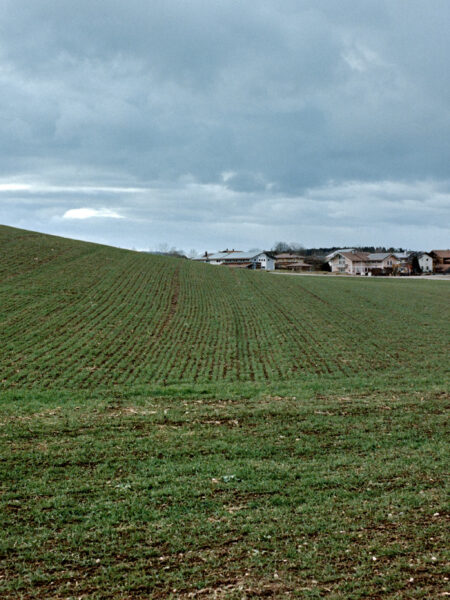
212, 123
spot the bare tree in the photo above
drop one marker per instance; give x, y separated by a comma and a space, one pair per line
296, 247
281, 247
163, 248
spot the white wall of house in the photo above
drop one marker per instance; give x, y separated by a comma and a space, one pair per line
340, 264
266, 262
360, 268
426, 263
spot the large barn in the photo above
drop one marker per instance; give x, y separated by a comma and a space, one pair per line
239, 259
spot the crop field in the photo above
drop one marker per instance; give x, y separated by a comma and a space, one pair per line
176, 430
80, 316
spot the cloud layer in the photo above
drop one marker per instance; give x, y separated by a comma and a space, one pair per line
320, 122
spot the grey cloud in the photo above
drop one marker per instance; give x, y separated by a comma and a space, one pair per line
169, 95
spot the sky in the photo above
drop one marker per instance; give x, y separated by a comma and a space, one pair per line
205, 124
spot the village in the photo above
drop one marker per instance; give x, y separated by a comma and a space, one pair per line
344, 261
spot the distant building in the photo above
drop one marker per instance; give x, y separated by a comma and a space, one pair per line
239, 259
364, 263
300, 266
425, 262
441, 261
405, 262
291, 262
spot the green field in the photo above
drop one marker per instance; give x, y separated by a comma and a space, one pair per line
176, 430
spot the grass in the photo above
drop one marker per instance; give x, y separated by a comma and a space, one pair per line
203, 464
107, 496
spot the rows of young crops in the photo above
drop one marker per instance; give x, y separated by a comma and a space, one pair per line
83, 315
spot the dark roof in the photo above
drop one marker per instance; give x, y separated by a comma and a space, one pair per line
441, 253
285, 255
357, 256
366, 256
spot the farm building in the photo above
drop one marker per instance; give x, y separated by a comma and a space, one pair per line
441, 260
239, 259
300, 266
363, 263
291, 262
425, 262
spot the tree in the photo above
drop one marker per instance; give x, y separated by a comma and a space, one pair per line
176, 253
163, 248
166, 251
415, 265
296, 247
281, 247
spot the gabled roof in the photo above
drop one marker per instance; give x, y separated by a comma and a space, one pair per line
237, 255
245, 255
441, 253
333, 254
225, 254
380, 255
218, 255
366, 256
355, 256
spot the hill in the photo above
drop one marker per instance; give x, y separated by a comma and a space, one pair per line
174, 430
83, 315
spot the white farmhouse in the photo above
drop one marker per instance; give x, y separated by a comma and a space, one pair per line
425, 262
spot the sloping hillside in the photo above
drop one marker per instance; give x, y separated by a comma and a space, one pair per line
76, 314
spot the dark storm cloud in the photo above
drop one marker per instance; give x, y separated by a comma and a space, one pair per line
314, 120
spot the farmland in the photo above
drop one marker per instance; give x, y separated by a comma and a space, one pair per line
79, 315
175, 430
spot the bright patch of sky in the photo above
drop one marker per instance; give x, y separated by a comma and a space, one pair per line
89, 213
